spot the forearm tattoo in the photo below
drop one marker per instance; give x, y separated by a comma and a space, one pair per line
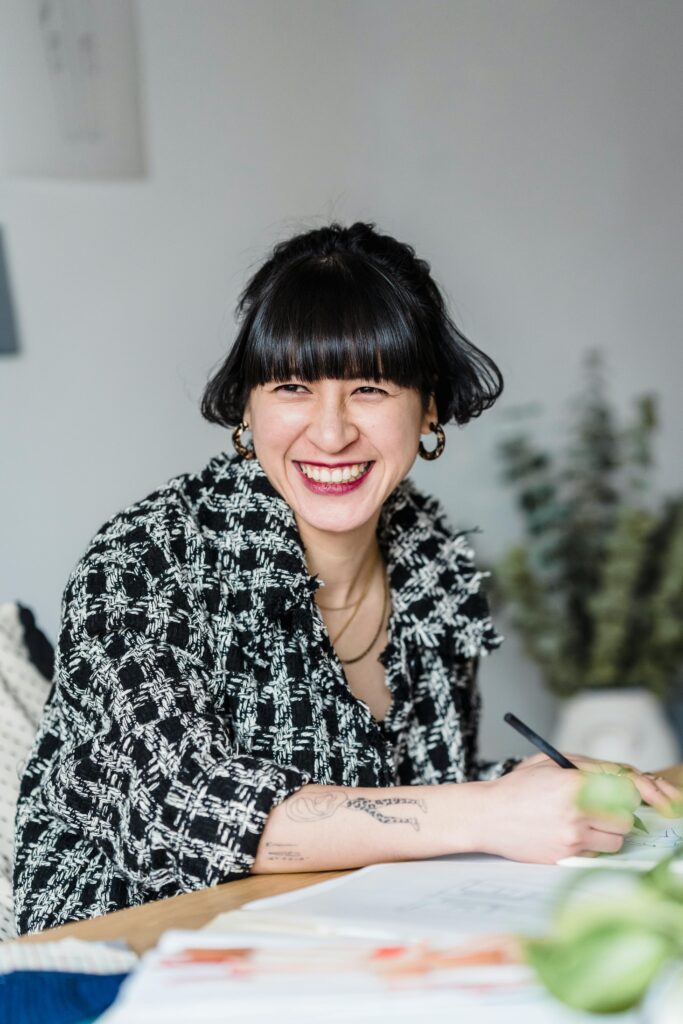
283, 851
315, 808
361, 803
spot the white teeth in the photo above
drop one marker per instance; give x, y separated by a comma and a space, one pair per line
337, 475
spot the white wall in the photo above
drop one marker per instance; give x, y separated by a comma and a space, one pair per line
530, 149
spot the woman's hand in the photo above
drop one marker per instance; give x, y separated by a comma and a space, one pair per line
658, 789
674, 775
531, 815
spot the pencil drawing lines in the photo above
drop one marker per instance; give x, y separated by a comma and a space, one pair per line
71, 45
474, 897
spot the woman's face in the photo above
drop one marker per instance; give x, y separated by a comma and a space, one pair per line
336, 427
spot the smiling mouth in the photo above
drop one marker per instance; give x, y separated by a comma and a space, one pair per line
336, 475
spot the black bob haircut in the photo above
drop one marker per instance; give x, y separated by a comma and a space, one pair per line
350, 303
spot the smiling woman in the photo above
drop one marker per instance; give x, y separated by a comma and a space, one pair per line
307, 440
211, 715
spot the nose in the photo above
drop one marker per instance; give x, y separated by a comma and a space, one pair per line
332, 427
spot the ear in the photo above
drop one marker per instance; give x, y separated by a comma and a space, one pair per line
431, 416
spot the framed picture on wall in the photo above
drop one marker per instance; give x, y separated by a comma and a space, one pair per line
69, 89
9, 341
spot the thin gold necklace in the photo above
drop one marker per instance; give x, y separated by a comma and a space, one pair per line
354, 604
337, 607
350, 661
358, 603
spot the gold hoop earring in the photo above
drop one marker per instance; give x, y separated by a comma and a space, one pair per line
245, 452
440, 444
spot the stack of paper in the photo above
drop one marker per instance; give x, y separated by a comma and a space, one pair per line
207, 979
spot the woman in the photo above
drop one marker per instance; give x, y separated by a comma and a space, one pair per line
270, 665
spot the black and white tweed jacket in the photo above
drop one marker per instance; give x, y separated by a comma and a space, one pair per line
196, 687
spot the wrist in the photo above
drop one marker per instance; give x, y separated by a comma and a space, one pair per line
465, 812
485, 829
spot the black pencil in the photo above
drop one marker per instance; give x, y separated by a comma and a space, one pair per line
538, 741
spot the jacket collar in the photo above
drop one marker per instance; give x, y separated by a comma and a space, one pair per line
432, 577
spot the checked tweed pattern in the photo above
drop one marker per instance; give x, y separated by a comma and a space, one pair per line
196, 687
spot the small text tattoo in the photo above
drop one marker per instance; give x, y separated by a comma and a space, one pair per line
283, 851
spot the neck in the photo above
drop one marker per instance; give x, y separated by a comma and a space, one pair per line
340, 559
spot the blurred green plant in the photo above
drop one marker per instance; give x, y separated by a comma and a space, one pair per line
596, 589
606, 949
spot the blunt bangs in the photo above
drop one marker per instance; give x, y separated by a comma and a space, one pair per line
337, 320
352, 304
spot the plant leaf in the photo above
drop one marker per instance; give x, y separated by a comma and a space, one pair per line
603, 791
605, 971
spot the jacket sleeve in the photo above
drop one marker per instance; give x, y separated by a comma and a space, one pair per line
138, 759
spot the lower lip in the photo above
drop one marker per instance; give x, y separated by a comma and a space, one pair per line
318, 487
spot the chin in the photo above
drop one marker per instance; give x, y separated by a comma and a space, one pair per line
332, 521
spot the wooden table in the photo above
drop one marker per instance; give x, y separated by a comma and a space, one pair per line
142, 926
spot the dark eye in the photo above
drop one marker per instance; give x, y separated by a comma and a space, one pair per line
280, 387
367, 387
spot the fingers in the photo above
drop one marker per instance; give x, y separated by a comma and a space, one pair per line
615, 824
591, 764
668, 788
603, 833
673, 773
670, 804
606, 833
654, 788
655, 791
604, 842
587, 764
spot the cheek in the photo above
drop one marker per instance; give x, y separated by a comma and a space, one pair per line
397, 432
280, 428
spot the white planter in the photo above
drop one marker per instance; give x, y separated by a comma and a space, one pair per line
617, 725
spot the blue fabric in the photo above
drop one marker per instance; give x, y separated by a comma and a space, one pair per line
56, 997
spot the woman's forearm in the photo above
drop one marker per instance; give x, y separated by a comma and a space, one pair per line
531, 815
324, 828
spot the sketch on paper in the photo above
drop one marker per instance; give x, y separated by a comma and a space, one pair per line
69, 35
447, 896
69, 97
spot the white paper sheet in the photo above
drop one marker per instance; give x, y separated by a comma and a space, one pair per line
449, 896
